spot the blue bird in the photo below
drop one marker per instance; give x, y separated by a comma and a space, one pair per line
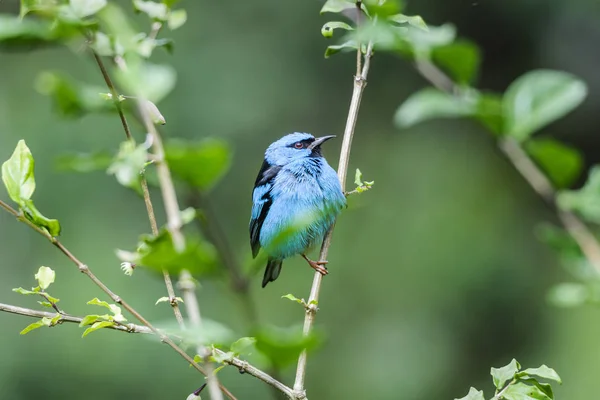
296, 199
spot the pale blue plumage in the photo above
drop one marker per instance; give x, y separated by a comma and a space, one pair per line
297, 197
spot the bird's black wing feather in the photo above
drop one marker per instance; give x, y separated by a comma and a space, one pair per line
261, 202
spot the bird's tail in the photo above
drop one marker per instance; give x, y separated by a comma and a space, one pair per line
272, 271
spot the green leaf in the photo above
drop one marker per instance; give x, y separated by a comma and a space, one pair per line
70, 98
430, 103
210, 333
96, 326
17, 174
344, 47
52, 226
28, 33
128, 164
421, 42
473, 394
20, 290
585, 201
85, 8
415, 21
358, 178
38, 324
45, 304
83, 162
166, 300
569, 295
221, 358
294, 298
46, 7
538, 98
116, 310
45, 277
148, 81
156, 11
489, 112
336, 6
90, 319
522, 391
560, 162
543, 372
329, 27
460, 59
200, 164
283, 345
243, 346
177, 18
505, 374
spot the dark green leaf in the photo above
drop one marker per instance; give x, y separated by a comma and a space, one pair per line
585, 201
543, 372
502, 375
459, 59
344, 47
430, 103
522, 391
52, 226
382, 9
70, 98
473, 394
283, 345
84, 162
17, 174
489, 112
200, 164
560, 162
538, 98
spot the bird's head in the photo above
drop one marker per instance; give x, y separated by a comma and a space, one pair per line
293, 147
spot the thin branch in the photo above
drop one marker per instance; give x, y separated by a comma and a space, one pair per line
540, 183
360, 82
83, 268
144, 184
241, 365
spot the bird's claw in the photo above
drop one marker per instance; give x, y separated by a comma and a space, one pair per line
318, 266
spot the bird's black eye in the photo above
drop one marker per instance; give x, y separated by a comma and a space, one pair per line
298, 145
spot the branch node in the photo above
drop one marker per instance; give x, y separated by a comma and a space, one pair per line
83, 268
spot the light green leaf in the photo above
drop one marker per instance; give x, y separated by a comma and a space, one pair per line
423, 42
430, 103
84, 162
90, 319
522, 391
96, 326
505, 374
128, 164
17, 174
414, 20
46, 7
562, 163
329, 27
459, 59
149, 81
344, 47
569, 295
201, 164
294, 298
358, 178
489, 112
45, 304
52, 226
177, 18
20, 290
243, 346
27, 33
85, 8
473, 394
157, 11
585, 201
538, 98
221, 358
45, 276
543, 372
38, 324
166, 300
210, 333
153, 112
336, 6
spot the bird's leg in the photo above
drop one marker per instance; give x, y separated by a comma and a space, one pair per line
318, 266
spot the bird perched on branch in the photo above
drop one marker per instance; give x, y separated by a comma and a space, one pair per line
297, 197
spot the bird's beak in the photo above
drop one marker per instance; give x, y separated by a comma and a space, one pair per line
319, 141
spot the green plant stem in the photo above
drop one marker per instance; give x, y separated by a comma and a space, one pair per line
514, 152
144, 185
83, 268
241, 365
360, 82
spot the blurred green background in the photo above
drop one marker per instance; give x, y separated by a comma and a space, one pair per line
436, 273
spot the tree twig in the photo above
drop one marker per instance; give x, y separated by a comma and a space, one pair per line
360, 82
579, 231
241, 365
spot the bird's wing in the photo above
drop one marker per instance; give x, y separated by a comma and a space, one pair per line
261, 202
